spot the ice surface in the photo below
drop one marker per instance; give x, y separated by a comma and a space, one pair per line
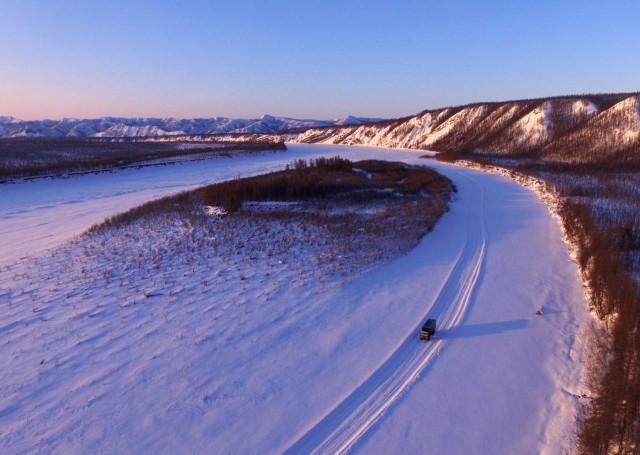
201, 359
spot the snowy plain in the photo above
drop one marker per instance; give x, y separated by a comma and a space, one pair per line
213, 359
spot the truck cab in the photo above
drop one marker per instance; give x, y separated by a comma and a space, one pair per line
428, 329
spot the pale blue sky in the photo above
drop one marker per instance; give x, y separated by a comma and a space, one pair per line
305, 59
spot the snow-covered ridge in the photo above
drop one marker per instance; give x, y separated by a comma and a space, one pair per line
143, 127
569, 129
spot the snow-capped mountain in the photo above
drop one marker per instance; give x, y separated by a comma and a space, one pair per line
146, 127
586, 129
351, 120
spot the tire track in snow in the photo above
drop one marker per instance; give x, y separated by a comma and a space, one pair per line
339, 430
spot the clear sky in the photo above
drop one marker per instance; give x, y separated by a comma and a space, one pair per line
306, 59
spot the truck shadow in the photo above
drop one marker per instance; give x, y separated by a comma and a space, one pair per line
478, 330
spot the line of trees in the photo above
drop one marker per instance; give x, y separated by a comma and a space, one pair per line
322, 178
301, 180
611, 421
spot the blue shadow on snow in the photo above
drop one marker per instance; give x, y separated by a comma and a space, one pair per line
478, 330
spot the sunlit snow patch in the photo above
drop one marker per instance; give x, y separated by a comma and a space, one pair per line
214, 210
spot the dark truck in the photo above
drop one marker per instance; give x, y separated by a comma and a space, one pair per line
428, 329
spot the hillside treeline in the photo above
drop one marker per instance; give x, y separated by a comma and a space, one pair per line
591, 130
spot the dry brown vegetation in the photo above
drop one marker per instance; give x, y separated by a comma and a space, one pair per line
29, 157
612, 417
343, 215
327, 179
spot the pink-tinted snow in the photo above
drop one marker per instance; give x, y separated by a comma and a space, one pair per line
273, 362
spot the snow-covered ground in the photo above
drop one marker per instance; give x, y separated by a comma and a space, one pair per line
200, 355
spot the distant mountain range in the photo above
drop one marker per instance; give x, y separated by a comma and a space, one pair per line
146, 127
601, 129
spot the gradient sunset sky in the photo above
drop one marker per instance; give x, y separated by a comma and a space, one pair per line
305, 59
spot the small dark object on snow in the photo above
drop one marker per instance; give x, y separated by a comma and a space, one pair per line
428, 329
539, 311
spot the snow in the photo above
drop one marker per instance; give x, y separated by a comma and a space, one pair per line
54, 210
500, 365
215, 210
584, 108
441, 131
352, 120
168, 126
628, 130
198, 353
534, 127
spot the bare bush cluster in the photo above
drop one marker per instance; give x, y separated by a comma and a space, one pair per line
348, 215
329, 179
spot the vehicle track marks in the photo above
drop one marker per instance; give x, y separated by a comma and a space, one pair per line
339, 430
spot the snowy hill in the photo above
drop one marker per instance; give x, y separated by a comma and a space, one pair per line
595, 129
351, 120
147, 127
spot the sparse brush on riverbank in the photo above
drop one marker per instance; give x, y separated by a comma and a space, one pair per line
32, 157
348, 214
332, 181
